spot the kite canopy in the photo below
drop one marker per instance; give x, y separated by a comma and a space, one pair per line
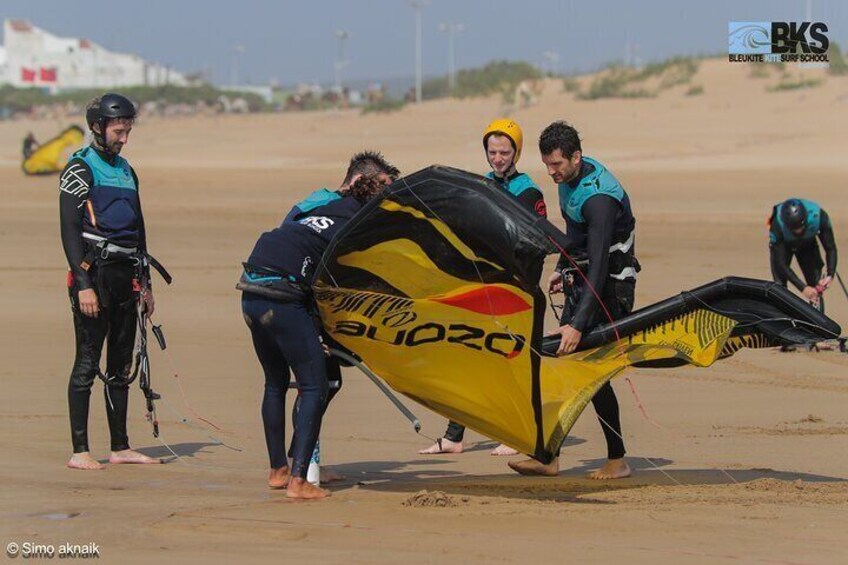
435, 286
52, 156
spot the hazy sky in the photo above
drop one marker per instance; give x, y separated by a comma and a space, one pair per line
293, 41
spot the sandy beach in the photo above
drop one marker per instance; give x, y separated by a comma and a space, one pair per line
744, 461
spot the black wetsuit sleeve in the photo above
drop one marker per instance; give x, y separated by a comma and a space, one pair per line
74, 184
142, 231
777, 254
600, 213
569, 247
534, 201
829, 243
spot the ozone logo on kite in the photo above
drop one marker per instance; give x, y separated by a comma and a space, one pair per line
500, 343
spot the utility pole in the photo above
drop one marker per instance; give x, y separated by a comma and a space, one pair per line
451, 29
553, 59
340, 63
238, 51
417, 5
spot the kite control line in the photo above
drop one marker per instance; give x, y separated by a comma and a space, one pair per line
842, 284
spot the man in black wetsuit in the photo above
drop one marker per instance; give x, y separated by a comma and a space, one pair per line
794, 226
102, 229
600, 259
278, 307
364, 163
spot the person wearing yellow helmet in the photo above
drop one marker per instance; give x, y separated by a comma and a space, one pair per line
502, 142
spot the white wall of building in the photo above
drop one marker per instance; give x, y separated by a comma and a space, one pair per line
34, 57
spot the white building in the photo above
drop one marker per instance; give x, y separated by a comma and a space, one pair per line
31, 56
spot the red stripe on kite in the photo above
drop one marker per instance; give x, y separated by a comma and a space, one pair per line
494, 300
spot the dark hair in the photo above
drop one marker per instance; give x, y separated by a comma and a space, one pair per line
560, 135
370, 163
366, 187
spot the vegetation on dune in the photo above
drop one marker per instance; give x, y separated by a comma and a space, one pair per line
21, 99
618, 81
695, 90
383, 106
789, 84
495, 77
838, 65
570, 84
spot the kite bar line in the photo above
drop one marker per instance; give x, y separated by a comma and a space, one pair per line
842, 284
416, 423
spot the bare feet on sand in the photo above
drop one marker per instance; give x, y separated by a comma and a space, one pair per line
612, 469
442, 445
129, 456
533, 467
85, 462
299, 488
279, 478
330, 476
503, 451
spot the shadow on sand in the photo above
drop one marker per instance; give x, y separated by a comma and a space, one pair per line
187, 450
568, 486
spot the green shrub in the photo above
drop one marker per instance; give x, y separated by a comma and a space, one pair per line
21, 99
695, 90
623, 82
383, 106
494, 77
795, 85
570, 84
838, 66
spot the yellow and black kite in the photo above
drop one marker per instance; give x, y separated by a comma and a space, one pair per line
52, 156
435, 286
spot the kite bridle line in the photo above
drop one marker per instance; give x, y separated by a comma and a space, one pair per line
416, 423
151, 414
842, 284
579, 271
760, 319
540, 354
141, 286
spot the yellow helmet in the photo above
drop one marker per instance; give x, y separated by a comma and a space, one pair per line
505, 126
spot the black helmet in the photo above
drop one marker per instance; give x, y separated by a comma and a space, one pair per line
793, 214
108, 107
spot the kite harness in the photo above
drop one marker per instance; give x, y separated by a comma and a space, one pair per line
103, 252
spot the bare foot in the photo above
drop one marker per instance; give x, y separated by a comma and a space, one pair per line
85, 462
299, 488
279, 478
443, 445
533, 467
330, 476
129, 456
612, 469
504, 451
